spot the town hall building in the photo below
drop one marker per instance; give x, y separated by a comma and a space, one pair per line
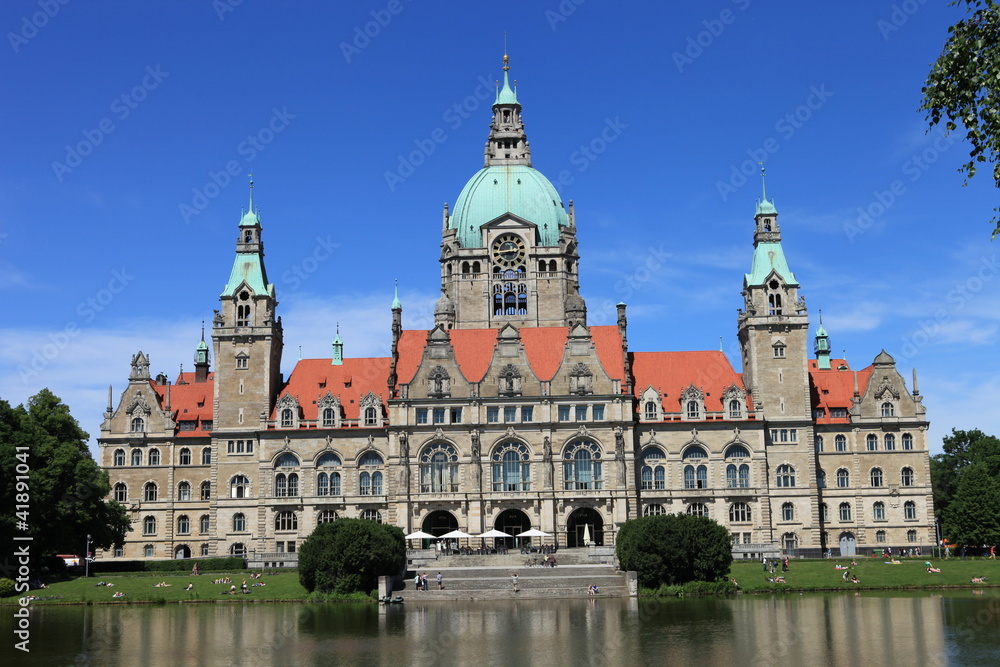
513, 412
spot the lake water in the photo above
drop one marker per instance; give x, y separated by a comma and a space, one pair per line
801, 630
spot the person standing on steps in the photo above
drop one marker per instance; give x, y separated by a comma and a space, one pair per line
513, 581
423, 581
440, 579
416, 581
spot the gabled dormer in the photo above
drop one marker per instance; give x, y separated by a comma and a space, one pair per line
650, 405
692, 404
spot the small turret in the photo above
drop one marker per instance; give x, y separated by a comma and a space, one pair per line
338, 349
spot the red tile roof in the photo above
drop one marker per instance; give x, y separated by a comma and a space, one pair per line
189, 401
835, 388
671, 373
311, 379
543, 346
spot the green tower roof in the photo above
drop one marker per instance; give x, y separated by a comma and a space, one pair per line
499, 189
766, 207
506, 95
768, 257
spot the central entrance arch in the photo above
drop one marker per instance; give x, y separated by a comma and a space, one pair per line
183, 551
513, 522
439, 522
582, 524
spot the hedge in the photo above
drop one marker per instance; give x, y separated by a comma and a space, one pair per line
174, 565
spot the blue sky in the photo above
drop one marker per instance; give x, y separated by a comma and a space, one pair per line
130, 129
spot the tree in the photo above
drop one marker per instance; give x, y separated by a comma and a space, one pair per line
674, 549
63, 496
349, 555
963, 87
973, 517
962, 449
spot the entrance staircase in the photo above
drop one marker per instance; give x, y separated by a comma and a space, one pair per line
489, 577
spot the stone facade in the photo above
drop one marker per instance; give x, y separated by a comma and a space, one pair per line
512, 413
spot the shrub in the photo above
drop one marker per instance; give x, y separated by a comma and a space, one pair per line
6, 588
349, 555
674, 549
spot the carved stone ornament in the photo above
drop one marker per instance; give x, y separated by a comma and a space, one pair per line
438, 383
885, 388
138, 406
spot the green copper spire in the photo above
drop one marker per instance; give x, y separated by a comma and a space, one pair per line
338, 349
506, 95
822, 346
396, 305
764, 207
250, 218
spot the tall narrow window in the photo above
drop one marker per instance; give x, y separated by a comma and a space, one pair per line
185, 457
876, 477
840, 443
878, 511
906, 477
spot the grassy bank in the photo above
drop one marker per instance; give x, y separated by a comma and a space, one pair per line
139, 587
806, 575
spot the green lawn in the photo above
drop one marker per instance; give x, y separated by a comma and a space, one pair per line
139, 588
871, 573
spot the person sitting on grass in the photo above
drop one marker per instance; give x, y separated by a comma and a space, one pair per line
933, 570
189, 587
118, 594
978, 580
780, 580
854, 579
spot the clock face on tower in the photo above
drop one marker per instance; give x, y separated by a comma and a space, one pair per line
508, 250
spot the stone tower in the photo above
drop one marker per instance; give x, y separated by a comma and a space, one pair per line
773, 332
509, 250
246, 335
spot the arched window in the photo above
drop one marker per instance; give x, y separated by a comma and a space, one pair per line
732, 476
326, 516
845, 511
286, 521
735, 409
911, 535
203, 524
888, 410
744, 476
149, 491
137, 457
239, 522
147, 550
511, 467
206, 490
843, 479
890, 442
818, 440
695, 452
206, 456
695, 477
149, 525
737, 452
582, 466
910, 510
138, 425
653, 473
697, 509
372, 515
739, 513
365, 483
239, 487
238, 550
371, 484
286, 418
328, 417
293, 485
840, 443
693, 410
154, 457
119, 457
878, 511
787, 512
871, 440
906, 476
439, 468
821, 479
876, 476
328, 483
786, 475
370, 459
121, 492
183, 525
280, 485
653, 510
907, 441
371, 416
184, 491
185, 457
650, 411
880, 536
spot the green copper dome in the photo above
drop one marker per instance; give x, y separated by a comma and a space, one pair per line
499, 189
766, 207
